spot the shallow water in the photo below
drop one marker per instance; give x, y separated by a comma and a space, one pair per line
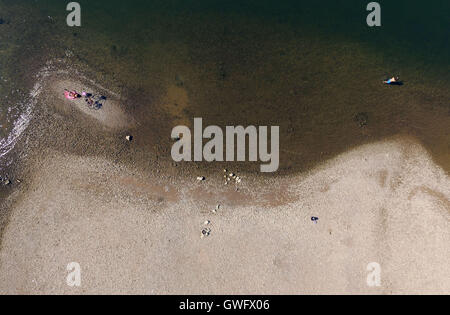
309, 67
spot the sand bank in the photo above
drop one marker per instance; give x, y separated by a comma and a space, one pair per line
109, 115
386, 203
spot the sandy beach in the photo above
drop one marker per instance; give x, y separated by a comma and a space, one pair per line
133, 232
110, 115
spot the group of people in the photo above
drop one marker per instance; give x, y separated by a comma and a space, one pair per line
91, 100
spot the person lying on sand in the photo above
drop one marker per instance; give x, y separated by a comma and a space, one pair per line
392, 80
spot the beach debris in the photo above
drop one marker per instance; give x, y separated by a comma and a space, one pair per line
315, 219
229, 176
207, 222
201, 178
5, 180
216, 209
68, 53
129, 138
206, 232
362, 119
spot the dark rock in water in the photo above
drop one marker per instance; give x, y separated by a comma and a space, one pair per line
5, 180
222, 71
118, 51
178, 80
362, 119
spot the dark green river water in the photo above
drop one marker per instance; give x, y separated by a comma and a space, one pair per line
308, 66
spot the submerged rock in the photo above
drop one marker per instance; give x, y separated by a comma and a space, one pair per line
5, 181
362, 119
179, 80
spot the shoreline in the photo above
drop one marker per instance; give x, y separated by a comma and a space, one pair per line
111, 128
119, 224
